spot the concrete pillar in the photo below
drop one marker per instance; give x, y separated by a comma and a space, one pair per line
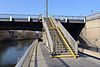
29, 18
10, 18
65, 19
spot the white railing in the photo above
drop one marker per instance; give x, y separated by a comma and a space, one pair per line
69, 17
48, 35
66, 34
25, 60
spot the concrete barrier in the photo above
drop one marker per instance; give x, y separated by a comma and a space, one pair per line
25, 60
89, 52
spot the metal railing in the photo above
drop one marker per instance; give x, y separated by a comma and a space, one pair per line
66, 34
69, 17
69, 38
48, 35
26, 58
10, 17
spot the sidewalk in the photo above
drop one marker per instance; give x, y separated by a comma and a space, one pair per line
41, 58
37, 58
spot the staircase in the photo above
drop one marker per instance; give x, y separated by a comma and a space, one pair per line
60, 45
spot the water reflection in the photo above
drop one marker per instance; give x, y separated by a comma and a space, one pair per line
11, 51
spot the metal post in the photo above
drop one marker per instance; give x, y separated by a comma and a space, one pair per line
46, 8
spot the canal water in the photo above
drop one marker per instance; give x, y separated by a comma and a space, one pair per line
10, 51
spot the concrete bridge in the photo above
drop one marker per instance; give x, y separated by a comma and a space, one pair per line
20, 22
61, 37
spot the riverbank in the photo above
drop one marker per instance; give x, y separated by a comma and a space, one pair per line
18, 35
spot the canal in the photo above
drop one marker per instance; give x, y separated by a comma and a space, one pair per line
10, 51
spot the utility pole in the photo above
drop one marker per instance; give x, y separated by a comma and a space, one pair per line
46, 8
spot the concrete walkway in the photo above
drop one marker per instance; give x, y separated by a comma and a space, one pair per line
41, 58
37, 58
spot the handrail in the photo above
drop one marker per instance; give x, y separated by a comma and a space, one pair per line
66, 34
69, 38
52, 22
25, 60
48, 35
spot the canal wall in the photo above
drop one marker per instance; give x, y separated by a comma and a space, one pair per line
91, 30
4, 35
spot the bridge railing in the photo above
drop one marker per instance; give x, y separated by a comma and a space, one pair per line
18, 17
78, 19
69, 17
25, 60
67, 35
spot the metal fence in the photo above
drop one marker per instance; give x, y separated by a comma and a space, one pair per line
26, 58
66, 34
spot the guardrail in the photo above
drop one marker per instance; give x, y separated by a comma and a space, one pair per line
17, 17
66, 34
48, 35
25, 60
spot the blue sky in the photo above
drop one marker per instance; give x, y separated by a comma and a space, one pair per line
56, 7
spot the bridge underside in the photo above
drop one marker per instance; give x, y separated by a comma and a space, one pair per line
34, 26
74, 28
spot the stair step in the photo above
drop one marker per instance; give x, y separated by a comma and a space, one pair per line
61, 48
66, 54
63, 53
58, 43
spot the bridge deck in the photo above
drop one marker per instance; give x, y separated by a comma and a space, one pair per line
41, 58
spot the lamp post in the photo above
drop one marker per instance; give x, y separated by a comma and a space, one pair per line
46, 8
